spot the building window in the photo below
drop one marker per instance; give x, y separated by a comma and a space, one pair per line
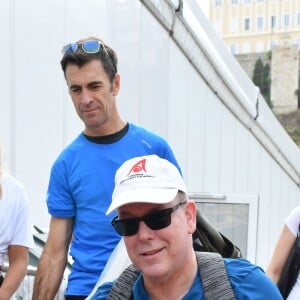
273, 21
218, 2
272, 44
298, 19
234, 49
233, 215
247, 1
259, 23
234, 1
286, 20
247, 24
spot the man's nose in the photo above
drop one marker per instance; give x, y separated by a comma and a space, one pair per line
86, 97
144, 231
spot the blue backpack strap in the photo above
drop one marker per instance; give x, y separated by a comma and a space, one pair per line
214, 277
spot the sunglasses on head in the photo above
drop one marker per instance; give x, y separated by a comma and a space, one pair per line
88, 46
156, 220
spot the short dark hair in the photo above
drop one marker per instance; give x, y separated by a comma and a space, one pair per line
182, 196
79, 58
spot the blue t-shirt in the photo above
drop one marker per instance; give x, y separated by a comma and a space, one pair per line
247, 280
81, 186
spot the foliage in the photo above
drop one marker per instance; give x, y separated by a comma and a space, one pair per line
295, 135
291, 123
257, 73
262, 79
266, 83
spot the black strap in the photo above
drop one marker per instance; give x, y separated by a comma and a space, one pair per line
207, 238
291, 268
213, 274
1, 279
214, 277
122, 288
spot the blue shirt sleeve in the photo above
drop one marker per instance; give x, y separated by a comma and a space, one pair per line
250, 282
102, 291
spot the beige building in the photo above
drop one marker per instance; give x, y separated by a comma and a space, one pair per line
251, 26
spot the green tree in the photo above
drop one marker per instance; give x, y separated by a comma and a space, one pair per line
258, 71
266, 84
262, 79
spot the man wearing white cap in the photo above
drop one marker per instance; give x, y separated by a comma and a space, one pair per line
157, 221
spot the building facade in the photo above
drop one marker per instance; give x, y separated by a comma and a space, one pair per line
251, 26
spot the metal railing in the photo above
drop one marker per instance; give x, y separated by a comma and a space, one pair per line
24, 292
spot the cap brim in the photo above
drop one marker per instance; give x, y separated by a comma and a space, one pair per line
143, 195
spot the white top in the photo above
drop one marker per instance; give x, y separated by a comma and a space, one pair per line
15, 228
292, 222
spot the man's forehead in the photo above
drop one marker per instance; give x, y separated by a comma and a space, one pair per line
87, 73
141, 208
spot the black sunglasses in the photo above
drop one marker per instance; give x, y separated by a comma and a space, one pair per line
88, 46
155, 221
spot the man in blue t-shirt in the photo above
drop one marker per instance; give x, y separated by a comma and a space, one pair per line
82, 177
157, 221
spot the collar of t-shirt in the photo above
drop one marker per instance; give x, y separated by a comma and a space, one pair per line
110, 138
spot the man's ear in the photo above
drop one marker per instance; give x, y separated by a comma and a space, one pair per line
191, 213
116, 85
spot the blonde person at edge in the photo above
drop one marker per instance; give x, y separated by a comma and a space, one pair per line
15, 233
282, 250
82, 177
157, 220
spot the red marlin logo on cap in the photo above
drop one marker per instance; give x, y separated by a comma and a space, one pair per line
138, 167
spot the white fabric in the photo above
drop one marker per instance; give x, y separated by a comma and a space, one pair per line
292, 222
146, 179
15, 228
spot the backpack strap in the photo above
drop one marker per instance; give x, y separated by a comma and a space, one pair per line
122, 287
213, 274
214, 277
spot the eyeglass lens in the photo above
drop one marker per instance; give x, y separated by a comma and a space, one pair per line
155, 221
89, 46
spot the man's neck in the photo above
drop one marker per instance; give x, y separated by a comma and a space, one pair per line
110, 138
176, 286
110, 126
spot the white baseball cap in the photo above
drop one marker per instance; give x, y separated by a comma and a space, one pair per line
146, 179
